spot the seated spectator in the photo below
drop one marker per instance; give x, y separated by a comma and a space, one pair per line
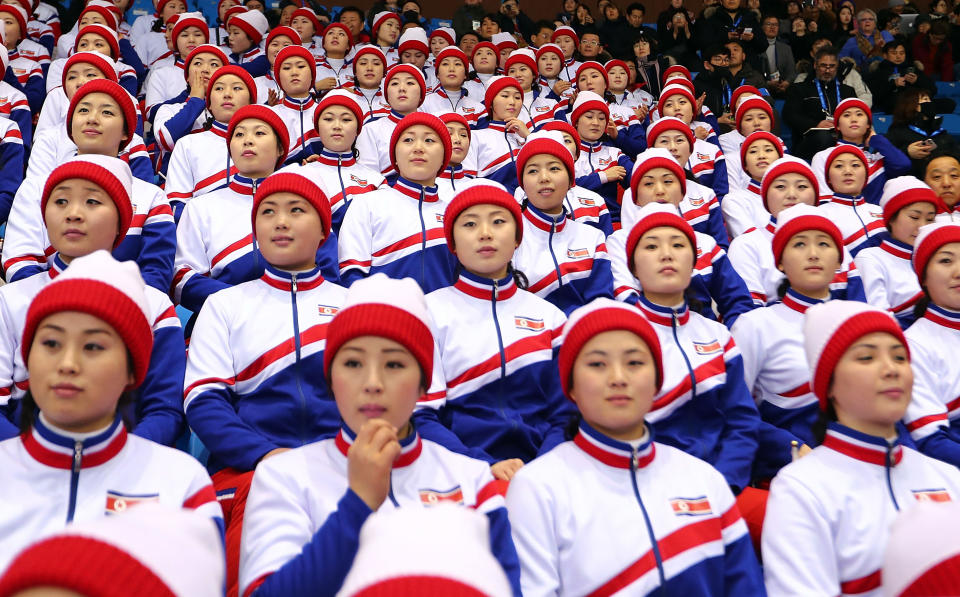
935, 52
777, 63
916, 128
715, 80
893, 75
677, 42
810, 104
867, 45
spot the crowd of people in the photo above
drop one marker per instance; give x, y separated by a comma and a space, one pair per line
294, 270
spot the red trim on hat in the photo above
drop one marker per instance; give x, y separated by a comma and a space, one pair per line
910, 196
565, 30
799, 224
339, 25
563, 127
521, 58
232, 69
484, 44
757, 136
92, 58
106, 33
923, 251
546, 146
677, 68
261, 112
297, 184
203, 49
331, 100
191, 22
496, 86
99, 175
420, 584
669, 124
411, 70
852, 102
752, 103
656, 220
787, 167
641, 168
735, 96
551, 47
480, 195
676, 91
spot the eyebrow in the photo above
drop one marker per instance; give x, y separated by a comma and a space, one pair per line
57, 328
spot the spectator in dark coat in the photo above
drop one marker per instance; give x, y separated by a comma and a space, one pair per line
935, 52
728, 22
810, 104
776, 62
677, 41
470, 11
893, 75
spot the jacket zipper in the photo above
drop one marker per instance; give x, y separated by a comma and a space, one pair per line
686, 359
654, 546
343, 189
296, 344
423, 241
887, 466
863, 225
503, 354
75, 478
556, 265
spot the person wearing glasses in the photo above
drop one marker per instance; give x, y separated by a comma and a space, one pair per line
867, 45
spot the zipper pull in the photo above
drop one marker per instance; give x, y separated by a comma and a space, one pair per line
293, 283
496, 289
77, 456
253, 186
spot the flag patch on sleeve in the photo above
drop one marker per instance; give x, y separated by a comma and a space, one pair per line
118, 502
696, 506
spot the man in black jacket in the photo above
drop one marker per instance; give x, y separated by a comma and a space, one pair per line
893, 75
810, 105
715, 80
731, 22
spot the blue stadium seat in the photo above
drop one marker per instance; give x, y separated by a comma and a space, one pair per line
951, 122
948, 89
882, 122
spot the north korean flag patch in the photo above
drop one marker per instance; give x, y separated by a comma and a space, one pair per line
707, 347
439, 218
430, 497
577, 253
360, 181
119, 502
327, 310
931, 495
695, 506
528, 323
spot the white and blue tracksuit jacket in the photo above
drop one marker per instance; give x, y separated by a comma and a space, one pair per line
498, 347
885, 161
302, 529
582, 205
150, 240
341, 179
373, 144
564, 261
297, 114
397, 231
594, 159
255, 378
829, 514
597, 516
215, 252
743, 209
12, 164
497, 154
199, 163
439, 101
860, 223
157, 409
776, 372
704, 408
889, 281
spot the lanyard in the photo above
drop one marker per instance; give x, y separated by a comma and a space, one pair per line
924, 133
736, 23
823, 100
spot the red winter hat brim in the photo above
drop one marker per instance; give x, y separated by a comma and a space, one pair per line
495, 87
840, 150
669, 124
425, 119
94, 59
237, 71
265, 114
118, 94
759, 136
342, 27
801, 224
656, 220
203, 49
641, 168
384, 321
183, 24
295, 51
330, 100
291, 182
108, 36
480, 195
545, 146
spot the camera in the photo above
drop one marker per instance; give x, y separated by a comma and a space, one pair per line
910, 71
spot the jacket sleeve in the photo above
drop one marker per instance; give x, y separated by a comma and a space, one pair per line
600, 282
746, 265
256, 67
169, 130
11, 169
739, 443
715, 227
356, 249
728, 289
797, 543
926, 416
741, 571
560, 409
279, 552
24, 119
871, 275
8, 347
130, 57
191, 282
159, 248
25, 236
43, 155
139, 160
491, 501
631, 140
895, 162
533, 525
209, 394
180, 181
35, 90
159, 405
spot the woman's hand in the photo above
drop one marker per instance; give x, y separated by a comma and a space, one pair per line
641, 112
325, 84
560, 86
370, 460
517, 126
612, 129
273, 97
197, 87
506, 469
701, 132
918, 150
615, 173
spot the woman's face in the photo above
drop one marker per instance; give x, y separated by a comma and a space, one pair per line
676, 143
335, 42
288, 231
403, 93
942, 278
451, 73
641, 49
592, 80
758, 158
189, 38
507, 104
907, 222
546, 182
419, 153
522, 73
304, 27
566, 44
80, 218
229, 94
485, 61
77, 75
663, 261
658, 185
788, 190
485, 237
206, 64
809, 260
549, 65
438, 43
754, 120
368, 71
853, 124
94, 42
872, 384
460, 139
254, 148
847, 175
591, 125
337, 129
78, 366
286, 15
846, 15
614, 383
97, 125
276, 44
678, 105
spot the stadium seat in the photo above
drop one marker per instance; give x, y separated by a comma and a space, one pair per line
882, 122
948, 89
951, 122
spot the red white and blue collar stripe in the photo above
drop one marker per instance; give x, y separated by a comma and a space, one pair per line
897, 248
861, 446
543, 220
335, 158
219, 128
947, 318
57, 265
661, 315
849, 200
283, 280
799, 302
53, 448
613, 452
415, 190
453, 172
497, 125
298, 103
771, 226
589, 147
486, 288
394, 116
243, 185
410, 446
754, 187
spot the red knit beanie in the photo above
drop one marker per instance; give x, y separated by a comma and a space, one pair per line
654, 215
830, 328
387, 308
563, 127
677, 69
800, 218
261, 112
204, 49
231, 69
454, 118
551, 48
599, 316
671, 90
787, 164
191, 20
339, 97
497, 84
525, 57
288, 32
311, 16
102, 63
425, 119
568, 31
453, 52
901, 191
595, 66
546, 142
99, 285
341, 26
752, 103
379, 19
586, 101
758, 136
291, 52
371, 50
852, 102
232, 12
840, 150
253, 23
289, 181
484, 44
108, 15
446, 33
21, 16
929, 240
108, 35
480, 194
411, 70
669, 123
118, 94
735, 96
656, 157
610, 64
